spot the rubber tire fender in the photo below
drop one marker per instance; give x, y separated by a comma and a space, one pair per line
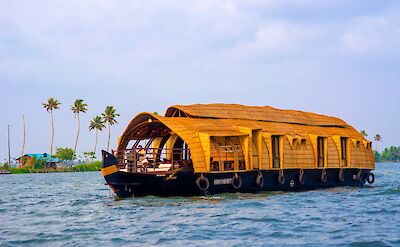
324, 177
359, 175
341, 175
371, 178
281, 177
239, 181
260, 180
301, 177
199, 181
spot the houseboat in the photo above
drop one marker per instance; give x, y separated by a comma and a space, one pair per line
214, 148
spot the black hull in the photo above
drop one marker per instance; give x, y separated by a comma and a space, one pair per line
184, 183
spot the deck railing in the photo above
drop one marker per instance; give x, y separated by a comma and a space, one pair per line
153, 160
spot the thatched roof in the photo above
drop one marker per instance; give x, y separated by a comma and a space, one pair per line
257, 113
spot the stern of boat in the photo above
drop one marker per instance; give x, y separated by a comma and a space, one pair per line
127, 184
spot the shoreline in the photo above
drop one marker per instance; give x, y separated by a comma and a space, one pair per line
86, 167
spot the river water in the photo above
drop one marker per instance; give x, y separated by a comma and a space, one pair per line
59, 209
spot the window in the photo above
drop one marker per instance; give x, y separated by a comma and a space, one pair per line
276, 158
343, 144
226, 154
321, 151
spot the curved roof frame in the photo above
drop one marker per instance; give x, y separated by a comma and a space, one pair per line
188, 135
139, 127
254, 113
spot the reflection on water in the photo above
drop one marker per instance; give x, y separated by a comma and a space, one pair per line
78, 209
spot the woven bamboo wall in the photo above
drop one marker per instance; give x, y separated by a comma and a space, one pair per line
360, 156
255, 155
298, 155
357, 155
333, 154
265, 156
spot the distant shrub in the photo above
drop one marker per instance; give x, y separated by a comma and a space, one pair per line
5, 166
94, 166
65, 154
88, 156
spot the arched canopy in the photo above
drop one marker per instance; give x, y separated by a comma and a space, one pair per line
148, 125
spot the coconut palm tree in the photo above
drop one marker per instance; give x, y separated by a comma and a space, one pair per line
363, 133
50, 105
377, 138
98, 125
24, 136
109, 116
78, 107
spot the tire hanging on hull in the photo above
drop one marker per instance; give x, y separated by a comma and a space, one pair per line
324, 176
281, 177
260, 180
203, 183
301, 177
371, 178
358, 176
341, 176
236, 181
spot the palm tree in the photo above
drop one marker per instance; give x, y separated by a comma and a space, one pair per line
51, 105
377, 138
109, 116
97, 124
363, 133
23, 142
77, 108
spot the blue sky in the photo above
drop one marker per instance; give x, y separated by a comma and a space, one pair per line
339, 58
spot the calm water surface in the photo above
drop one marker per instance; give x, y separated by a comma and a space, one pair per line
77, 209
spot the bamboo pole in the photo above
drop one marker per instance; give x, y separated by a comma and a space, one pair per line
77, 134
52, 133
23, 142
9, 149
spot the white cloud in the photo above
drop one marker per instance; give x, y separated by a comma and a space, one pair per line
278, 38
371, 34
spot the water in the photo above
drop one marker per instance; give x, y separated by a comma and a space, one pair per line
76, 209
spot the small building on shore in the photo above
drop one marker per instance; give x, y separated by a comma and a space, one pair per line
30, 159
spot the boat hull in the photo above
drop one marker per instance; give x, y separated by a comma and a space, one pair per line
186, 183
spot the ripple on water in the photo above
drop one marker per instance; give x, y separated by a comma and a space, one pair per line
79, 211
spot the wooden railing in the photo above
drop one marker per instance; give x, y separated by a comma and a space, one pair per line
151, 159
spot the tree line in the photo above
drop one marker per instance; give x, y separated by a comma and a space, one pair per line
391, 154
98, 123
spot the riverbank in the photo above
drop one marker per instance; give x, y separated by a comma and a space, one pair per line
86, 167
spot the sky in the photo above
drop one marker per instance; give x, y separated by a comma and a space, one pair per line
338, 58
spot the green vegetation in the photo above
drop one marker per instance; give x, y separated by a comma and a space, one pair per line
38, 163
363, 133
65, 153
98, 123
4, 167
94, 166
391, 154
89, 156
